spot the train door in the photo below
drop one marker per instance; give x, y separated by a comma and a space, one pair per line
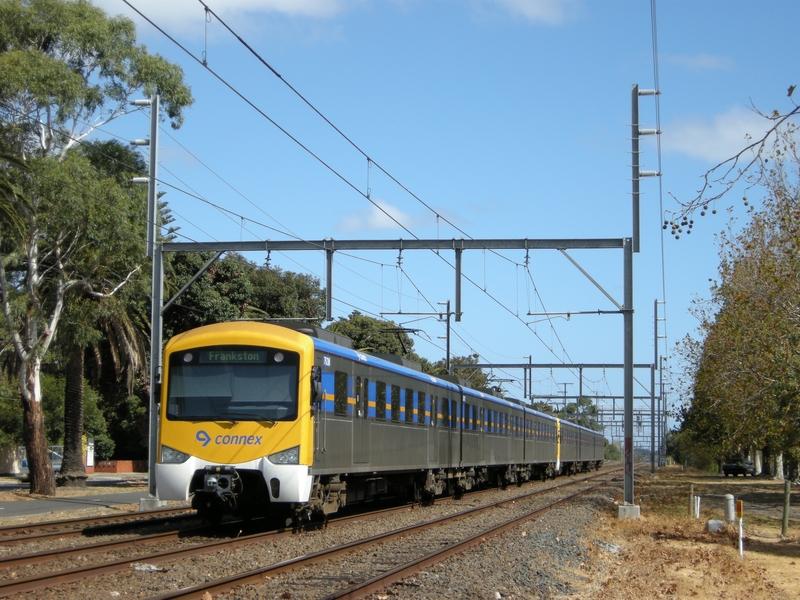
479, 428
361, 424
558, 444
433, 431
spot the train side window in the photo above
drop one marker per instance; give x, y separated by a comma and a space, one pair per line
445, 413
340, 393
395, 403
422, 402
434, 410
409, 405
380, 400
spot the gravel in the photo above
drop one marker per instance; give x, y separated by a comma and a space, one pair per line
543, 558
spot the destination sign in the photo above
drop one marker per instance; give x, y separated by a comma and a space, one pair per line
234, 355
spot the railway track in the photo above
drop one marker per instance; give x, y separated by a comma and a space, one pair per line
83, 572
353, 560
12, 534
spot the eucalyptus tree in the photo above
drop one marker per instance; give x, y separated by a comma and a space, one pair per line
66, 68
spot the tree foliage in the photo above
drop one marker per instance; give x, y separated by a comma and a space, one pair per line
65, 69
377, 336
234, 288
745, 372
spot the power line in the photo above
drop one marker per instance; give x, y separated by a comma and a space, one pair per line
325, 164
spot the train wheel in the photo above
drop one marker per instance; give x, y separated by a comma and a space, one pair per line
213, 515
415, 492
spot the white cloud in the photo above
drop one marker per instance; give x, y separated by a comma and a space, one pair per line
188, 15
702, 62
375, 219
714, 139
549, 12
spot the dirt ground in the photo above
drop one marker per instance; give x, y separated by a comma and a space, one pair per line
666, 554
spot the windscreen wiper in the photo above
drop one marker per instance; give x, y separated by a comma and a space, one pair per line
248, 416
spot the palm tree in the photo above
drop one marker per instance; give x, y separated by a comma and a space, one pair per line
126, 348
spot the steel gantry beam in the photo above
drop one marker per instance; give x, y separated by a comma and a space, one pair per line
458, 246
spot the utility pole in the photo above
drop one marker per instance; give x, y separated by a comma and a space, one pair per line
157, 291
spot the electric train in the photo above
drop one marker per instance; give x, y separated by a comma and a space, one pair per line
266, 419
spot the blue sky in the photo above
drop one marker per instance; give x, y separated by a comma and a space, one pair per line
508, 118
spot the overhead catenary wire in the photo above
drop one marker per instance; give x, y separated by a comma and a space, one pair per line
370, 160
329, 167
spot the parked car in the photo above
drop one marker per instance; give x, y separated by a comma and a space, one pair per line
56, 455
738, 466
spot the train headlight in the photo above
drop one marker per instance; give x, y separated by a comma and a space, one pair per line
170, 455
286, 457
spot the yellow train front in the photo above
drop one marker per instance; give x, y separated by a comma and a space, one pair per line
235, 429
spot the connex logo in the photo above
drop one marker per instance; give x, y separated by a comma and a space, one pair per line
229, 440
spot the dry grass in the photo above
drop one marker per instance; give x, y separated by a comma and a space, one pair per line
665, 554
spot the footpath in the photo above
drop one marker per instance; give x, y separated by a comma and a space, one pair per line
24, 506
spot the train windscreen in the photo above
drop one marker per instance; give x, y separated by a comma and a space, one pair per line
233, 383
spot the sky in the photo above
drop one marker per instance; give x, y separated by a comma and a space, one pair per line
494, 119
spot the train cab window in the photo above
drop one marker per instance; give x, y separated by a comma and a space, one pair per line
339, 393
422, 407
395, 403
233, 383
409, 405
380, 400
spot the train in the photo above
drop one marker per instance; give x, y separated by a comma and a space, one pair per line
288, 419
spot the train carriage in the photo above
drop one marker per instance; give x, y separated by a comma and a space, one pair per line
256, 418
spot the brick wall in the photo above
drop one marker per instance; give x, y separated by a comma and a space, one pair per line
121, 466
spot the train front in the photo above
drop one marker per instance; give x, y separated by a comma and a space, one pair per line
235, 429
